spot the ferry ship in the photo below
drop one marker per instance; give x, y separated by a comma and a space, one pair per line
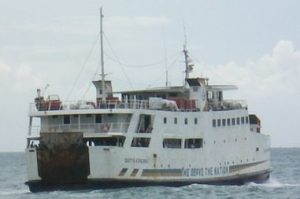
173, 136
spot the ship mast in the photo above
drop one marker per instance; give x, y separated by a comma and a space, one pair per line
186, 61
102, 58
188, 65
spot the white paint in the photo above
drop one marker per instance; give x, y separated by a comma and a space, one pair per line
32, 166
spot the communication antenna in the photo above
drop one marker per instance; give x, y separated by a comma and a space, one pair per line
167, 78
165, 58
184, 35
101, 56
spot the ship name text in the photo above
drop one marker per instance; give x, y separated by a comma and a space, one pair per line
136, 160
209, 171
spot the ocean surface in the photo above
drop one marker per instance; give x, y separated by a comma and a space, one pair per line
284, 183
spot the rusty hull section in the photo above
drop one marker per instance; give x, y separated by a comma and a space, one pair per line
63, 158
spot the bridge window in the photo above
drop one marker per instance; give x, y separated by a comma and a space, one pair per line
228, 122
193, 143
237, 121
185, 121
214, 123
247, 120
165, 120
175, 120
242, 120
219, 122
223, 122
172, 143
233, 121
140, 142
196, 120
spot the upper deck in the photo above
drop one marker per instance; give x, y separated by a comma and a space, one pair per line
92, 106
58, 107
196, 95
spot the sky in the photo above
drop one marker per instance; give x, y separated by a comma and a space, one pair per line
252, 44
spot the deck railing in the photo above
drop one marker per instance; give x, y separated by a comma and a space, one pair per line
189, 105
109, 104
227, 105
77, 105
83, 127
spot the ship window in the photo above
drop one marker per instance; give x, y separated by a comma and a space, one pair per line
140, 142
228, 122
173, 95
165, 120
88, 115
195, 88
209, 95
145, 124
220, 95
214, 123
242, 120
196, 120
185, 121
98, 118
219, 122
223, 122
66, 119
233, 121
247, 120
75, 116
172, 143
175, 120
237, 121
193, 143
107, 141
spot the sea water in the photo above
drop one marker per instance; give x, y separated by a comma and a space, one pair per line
284, 183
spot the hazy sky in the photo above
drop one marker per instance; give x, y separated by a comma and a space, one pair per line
252, 44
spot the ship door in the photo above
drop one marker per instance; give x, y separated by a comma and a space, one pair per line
145, 124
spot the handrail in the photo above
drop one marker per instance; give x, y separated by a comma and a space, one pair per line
109, 104
227, 105
75, 105
82, 127
191, 105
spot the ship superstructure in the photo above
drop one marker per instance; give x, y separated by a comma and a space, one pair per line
160, 136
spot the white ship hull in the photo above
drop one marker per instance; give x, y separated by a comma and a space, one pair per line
229, 155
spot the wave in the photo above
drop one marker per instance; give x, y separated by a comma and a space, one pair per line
14, 192
274, 183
